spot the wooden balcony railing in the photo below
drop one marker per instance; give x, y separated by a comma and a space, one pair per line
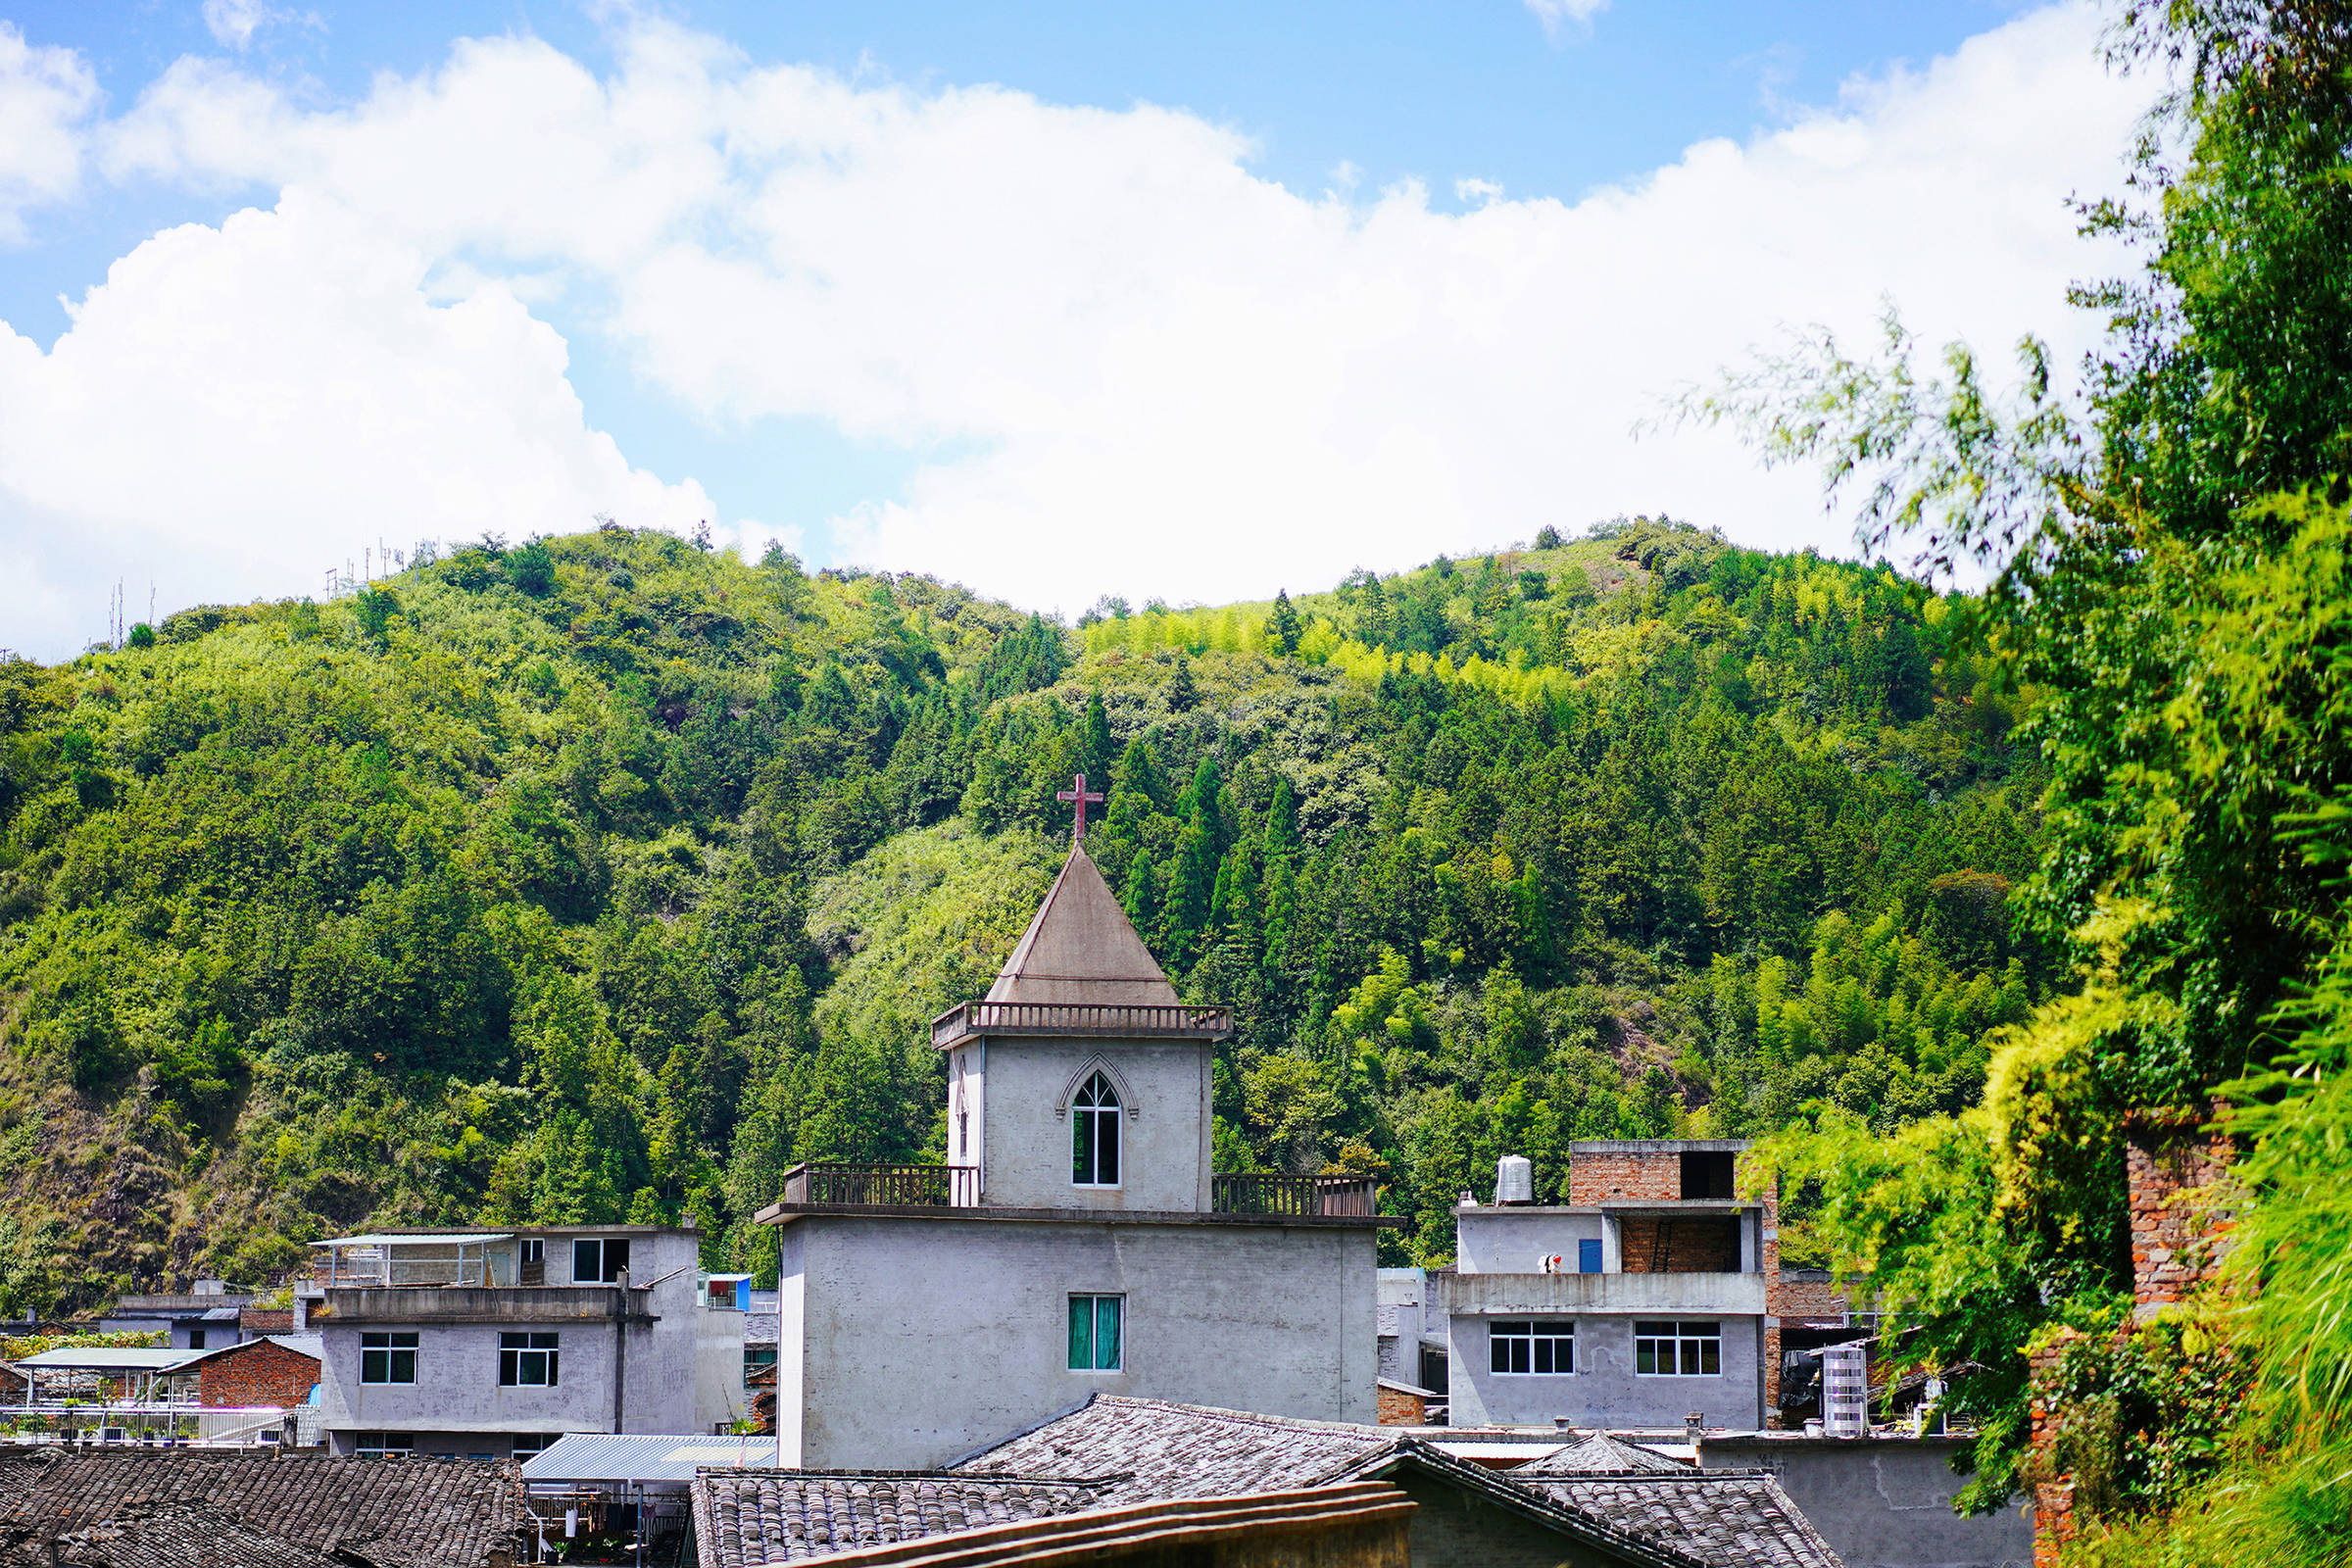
1308, 1196
884, 1185
1095, 1020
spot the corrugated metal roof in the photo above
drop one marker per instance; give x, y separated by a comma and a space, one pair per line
107, 1358
603, 1457
417, 1238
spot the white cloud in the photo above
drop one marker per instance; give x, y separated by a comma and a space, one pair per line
1116, 332
233, 23
45, 96
1557, 16
238, 409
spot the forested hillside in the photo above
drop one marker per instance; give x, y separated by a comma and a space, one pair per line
601, 877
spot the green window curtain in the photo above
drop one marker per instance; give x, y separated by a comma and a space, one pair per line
1082, 1333
1106, 1333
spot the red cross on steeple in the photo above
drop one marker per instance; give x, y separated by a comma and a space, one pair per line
1080, 798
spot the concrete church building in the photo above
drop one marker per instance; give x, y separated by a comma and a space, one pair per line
1077, 1243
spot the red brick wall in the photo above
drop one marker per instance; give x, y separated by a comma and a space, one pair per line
259, 1321
1606, 1178
2178, 1180
1398, 1408
257, 1373
1813, 1299
1706, 1244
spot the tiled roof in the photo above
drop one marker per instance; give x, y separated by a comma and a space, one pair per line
396, 1512
1145, 1450
165, 1536
1722, 1516
1159, 1449
743, 1519
1599, 1454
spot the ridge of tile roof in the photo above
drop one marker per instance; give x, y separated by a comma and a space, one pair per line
1599, 1454
1719, 1516
750, 1518
1081, 948
398, 1513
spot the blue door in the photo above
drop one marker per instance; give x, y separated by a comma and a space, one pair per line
1587, 1257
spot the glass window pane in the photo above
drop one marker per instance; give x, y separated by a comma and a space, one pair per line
1544, 1356
1082, 1146
1106, 1333
1690, 1358
1711, 1357
1107, 1121
1082, 1333
1645, 1356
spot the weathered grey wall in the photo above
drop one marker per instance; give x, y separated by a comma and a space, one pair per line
1516, 1239
922, 1340
792, 1342
1025, 1146
1882, 1502
1604, 1391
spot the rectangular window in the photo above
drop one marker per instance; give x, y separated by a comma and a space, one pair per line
384, 1445
388, 1357
1678, 1350
526, 1361
534, 1249
1095, 1333
528, 1443
756, 1357
1531, 1346
599, 1260
195, 1338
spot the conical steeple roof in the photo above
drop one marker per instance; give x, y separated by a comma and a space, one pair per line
1081, 948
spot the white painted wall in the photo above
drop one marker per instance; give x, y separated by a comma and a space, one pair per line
1024, 1129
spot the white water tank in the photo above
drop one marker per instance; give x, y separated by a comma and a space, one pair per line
1515, 1180
1845, 1391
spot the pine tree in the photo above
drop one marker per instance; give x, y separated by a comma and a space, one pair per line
1282, 626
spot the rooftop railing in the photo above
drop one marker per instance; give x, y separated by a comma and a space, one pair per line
1090, 1020
884, 1185
1307, 1197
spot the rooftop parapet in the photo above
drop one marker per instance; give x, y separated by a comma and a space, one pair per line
1093, 1020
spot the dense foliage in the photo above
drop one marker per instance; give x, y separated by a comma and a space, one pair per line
2174, 580
604, 876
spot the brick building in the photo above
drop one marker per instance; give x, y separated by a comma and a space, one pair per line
278, 1370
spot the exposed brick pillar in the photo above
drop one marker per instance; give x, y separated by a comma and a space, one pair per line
2182, 1203
2053, 1500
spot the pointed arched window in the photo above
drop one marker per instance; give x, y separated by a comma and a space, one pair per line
1095, 1134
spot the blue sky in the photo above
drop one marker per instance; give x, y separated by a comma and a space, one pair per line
1510, 121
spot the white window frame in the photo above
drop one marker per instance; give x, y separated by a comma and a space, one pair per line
388, 1344
383, 1444
1693, 1343
530, 1444
1088, 1122
540, 1348
1094, 1308
1541, 1347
